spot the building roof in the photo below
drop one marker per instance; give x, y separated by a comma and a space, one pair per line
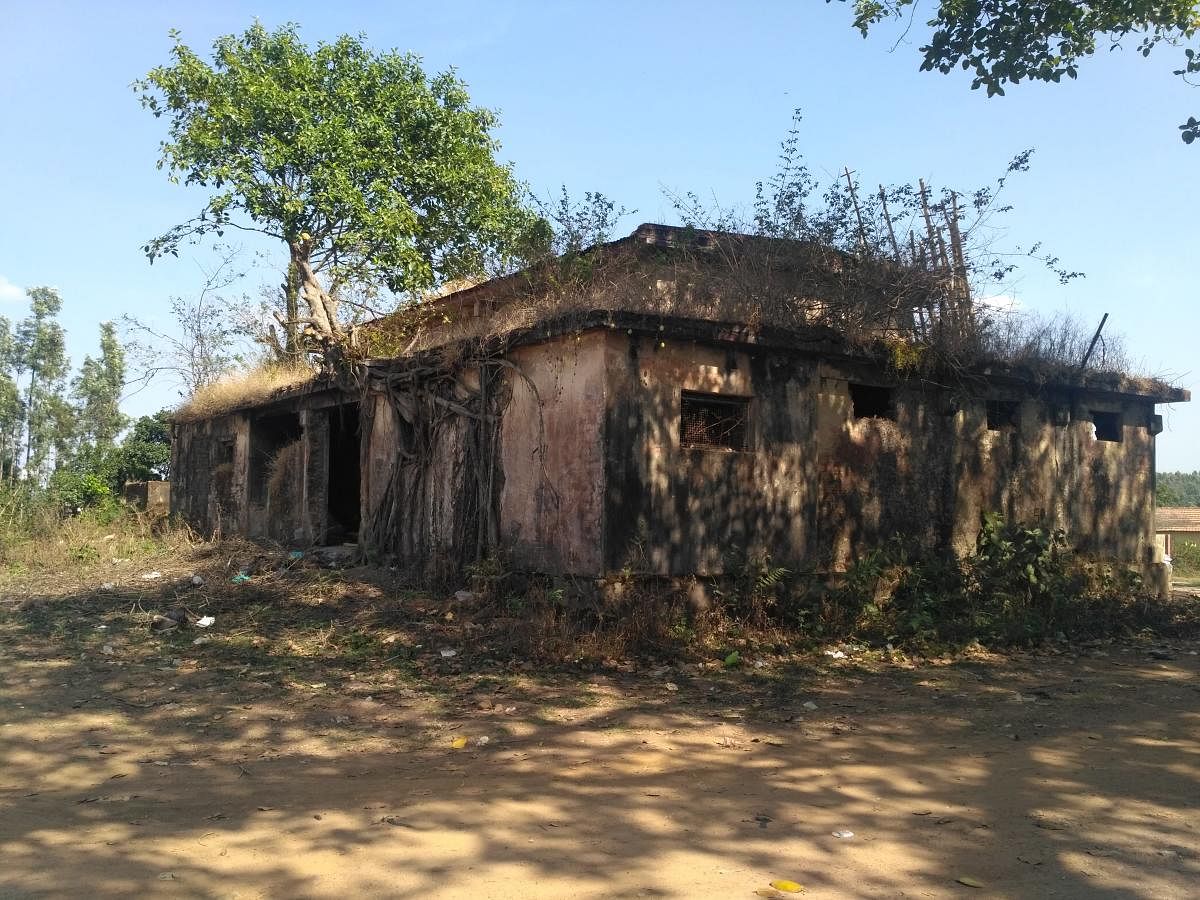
1177, 518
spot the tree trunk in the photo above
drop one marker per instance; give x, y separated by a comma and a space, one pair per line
322, 309
291, 291
29, 419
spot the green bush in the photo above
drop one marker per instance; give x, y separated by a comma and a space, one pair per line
1023, 584
1185, 558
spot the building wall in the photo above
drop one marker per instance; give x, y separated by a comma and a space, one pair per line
587, 473
552, 455
817, 487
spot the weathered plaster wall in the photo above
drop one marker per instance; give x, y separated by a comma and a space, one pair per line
208, 465
673, 509
818, 487
552, 456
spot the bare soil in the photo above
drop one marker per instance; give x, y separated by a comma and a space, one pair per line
317, 742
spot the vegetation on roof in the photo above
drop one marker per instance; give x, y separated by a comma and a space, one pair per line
241, 389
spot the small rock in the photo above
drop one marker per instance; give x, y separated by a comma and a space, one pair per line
671, 686
809, 705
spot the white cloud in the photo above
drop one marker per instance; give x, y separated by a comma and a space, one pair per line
9, 292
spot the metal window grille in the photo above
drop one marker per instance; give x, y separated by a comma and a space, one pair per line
713, 421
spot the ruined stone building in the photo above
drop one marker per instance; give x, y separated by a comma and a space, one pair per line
663, 405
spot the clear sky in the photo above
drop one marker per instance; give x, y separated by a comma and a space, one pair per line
628, 98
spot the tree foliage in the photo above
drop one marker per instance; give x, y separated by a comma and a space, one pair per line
364, 167
40, 355
1178, 489
1008, 41
97, 391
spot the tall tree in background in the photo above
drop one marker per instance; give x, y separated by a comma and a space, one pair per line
97, 393
41, 356
1007, 41
362, 166
12, 409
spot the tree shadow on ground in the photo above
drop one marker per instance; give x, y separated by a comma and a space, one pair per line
166, 767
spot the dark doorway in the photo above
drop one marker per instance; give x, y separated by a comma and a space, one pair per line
343, 502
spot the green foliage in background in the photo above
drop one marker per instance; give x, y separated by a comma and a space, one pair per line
1178, 489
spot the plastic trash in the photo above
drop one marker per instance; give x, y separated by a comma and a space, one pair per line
203, 639
449, 654
197, 580
150, 576
205, 621
843, 834
107, 650
240, 578
835, 654
108, 586
788, 887
459, 743
809, 705
296, 554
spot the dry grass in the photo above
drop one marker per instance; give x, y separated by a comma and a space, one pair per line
242, 389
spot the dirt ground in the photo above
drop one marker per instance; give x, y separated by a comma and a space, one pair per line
298, 751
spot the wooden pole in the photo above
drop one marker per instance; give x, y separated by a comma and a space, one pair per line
888, 218
862, 232
1092, 345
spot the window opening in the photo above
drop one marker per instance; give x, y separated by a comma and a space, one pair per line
1107, 425
269, 435
1002, 414
713, 421
872, 402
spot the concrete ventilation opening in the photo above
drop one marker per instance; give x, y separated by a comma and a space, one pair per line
1002, 414
713, 421
1107, 425
344, 504
872, 402
269, 435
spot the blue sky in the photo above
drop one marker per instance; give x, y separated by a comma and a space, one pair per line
628, 98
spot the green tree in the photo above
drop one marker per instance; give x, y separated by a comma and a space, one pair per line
97, 392
145, 454
12, 409
362, 166
41, 355
1178, 489
1006, 41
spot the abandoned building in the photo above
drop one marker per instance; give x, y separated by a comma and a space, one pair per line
655, 422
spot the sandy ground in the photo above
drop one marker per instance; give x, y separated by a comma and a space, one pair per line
138, 765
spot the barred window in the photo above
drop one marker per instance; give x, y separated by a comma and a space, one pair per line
713, 421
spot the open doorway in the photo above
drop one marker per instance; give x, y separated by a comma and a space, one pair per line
342, 499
